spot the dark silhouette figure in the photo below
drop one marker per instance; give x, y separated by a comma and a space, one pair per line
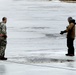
70, 30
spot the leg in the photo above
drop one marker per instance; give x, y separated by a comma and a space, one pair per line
70, 46
68, 42
2, 50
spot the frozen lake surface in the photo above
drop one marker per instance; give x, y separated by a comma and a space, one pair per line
33, 37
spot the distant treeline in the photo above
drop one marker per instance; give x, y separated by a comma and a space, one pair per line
67, 0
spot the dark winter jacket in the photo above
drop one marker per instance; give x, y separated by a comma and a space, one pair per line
71, 30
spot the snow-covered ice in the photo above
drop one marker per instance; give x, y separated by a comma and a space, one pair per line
34, 43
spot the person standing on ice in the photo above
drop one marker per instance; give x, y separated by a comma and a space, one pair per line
70, 30
3, 38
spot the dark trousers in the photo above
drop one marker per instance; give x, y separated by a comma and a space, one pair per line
70, 45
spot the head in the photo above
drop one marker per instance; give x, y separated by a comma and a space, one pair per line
72, 21
69, 18
4, 20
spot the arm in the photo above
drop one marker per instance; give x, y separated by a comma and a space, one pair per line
62, 32
4, 31
68, 28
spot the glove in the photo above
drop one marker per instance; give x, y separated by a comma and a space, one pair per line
61, 32
5, 36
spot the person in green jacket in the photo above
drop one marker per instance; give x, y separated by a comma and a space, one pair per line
3, 38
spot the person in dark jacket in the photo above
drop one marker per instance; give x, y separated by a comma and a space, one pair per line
70, 30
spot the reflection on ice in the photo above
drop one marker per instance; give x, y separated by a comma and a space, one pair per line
48, 60
69, 64
38, 60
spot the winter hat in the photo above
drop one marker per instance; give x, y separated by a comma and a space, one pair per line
69, 18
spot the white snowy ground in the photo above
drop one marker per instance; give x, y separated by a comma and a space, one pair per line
35, 46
